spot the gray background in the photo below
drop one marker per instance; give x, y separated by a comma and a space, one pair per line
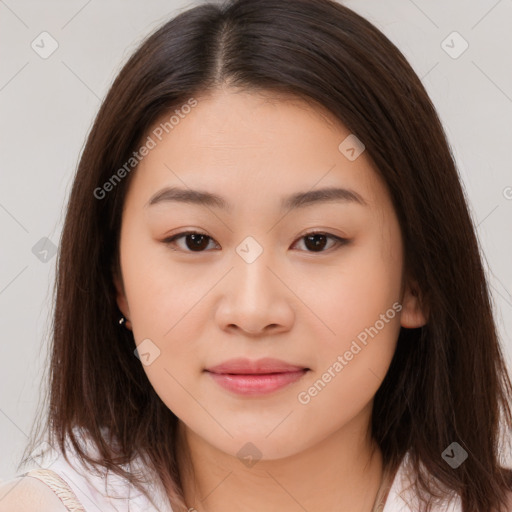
47, 107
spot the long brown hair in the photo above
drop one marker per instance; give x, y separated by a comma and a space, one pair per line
447, 382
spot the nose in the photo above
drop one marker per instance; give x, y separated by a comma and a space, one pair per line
256, 299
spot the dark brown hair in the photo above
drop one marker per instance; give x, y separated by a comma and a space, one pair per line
447, 381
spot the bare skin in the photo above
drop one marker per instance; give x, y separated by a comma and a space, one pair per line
294, 303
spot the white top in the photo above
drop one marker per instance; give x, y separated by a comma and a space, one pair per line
112, 493
402, 498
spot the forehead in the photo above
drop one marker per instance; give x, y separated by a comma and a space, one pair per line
255, 145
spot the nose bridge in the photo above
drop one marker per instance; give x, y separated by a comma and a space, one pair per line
252, 264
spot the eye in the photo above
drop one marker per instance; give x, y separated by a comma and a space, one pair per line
316, 241
195, 241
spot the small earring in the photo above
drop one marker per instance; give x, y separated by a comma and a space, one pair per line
122, 320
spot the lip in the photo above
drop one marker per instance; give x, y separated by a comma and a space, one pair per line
244, 366
246, 377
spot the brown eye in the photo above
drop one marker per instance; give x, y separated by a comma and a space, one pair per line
316, 241
194, 241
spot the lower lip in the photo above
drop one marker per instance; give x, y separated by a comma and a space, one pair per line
256, 384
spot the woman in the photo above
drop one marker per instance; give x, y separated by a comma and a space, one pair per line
269, 288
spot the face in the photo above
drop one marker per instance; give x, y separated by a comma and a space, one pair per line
244, 277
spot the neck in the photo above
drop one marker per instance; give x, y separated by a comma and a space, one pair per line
342, 472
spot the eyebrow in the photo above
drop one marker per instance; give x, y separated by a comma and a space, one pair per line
291, 202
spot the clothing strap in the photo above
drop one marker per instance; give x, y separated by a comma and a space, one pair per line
59, 487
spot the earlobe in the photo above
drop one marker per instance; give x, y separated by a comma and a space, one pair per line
122, 303
413, 315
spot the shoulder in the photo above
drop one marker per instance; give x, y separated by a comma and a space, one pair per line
27, 494
402, 496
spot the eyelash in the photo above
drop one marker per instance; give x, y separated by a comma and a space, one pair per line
339, 241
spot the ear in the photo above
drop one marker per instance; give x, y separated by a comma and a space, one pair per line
122, 303
413, 313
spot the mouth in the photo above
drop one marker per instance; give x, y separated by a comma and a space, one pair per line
249, 377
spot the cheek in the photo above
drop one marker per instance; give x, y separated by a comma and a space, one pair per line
360, 312
166, 309
157, 293
360, 306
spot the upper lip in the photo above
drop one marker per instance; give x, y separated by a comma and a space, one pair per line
246, 366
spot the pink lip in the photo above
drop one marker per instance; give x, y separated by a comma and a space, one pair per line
247, 377
256, 384
247, 366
